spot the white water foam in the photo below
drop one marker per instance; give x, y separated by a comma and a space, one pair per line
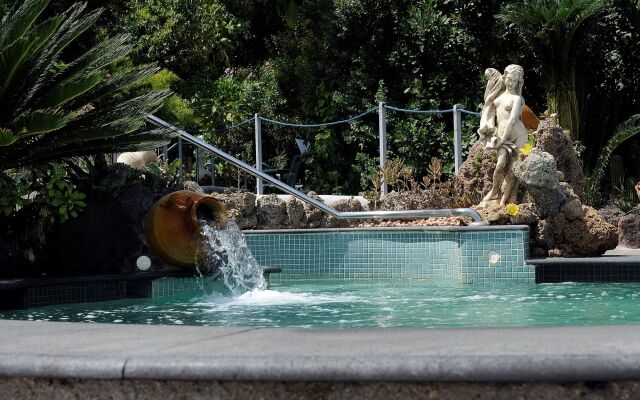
261, 298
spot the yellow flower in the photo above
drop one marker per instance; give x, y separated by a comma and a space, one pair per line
526, 149
512, 209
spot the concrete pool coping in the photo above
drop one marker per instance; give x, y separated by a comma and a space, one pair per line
111, 351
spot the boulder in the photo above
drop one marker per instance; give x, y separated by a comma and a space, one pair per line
587, 237
295, 213
538, 169
345, 205
240, 207
538, 175
547, 201
572, 210
138, 159
494, 214
611, 213
313, 215
527, 215
629, 231
544, 235
396, 201
193, 187
476, 172
244, 202
244, 221
553, 140
272, 212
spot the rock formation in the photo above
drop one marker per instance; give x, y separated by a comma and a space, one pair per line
240, 207
629, 231
548, 181
553, 140
560, 224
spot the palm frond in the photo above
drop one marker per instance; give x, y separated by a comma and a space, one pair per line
42, 71
18, 21
624, 131
143, 140
41, 121
69, 90
12, 60
43, 32
138, 107
115, 83
542, 18
52, 109
7, 137
101, 55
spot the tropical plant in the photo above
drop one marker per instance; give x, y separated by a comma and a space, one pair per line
54, 108
45, 191
554, 26
15, 191
625, 131
60, 198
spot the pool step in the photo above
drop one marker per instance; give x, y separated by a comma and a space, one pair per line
622, 269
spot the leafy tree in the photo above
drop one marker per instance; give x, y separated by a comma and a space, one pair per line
556, 27
55, 108
192, 38
608, 76
425, 55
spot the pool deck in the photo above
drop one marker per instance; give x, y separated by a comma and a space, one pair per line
108, 351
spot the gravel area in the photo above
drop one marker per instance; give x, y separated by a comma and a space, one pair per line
28, 388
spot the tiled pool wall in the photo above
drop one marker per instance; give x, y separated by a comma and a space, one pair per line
470, 255
87, 292
618, 272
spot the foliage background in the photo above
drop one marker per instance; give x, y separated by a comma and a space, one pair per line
325, 60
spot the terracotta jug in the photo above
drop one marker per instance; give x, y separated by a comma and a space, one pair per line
172, 225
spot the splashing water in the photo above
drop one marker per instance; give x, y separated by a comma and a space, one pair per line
227, 250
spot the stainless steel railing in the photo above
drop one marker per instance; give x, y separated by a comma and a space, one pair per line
455, 212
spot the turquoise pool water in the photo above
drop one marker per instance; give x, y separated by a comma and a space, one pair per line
340, 304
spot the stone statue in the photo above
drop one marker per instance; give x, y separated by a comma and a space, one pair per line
501, 128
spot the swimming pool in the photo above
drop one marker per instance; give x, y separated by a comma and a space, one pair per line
341, 304
345, 278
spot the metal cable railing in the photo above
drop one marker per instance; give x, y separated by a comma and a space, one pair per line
404, 110
456, 212
344, 121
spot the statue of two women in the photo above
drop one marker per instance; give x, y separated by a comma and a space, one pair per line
501, 128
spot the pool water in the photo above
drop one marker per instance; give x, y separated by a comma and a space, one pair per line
340, 304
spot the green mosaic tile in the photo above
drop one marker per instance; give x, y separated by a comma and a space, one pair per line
475, 257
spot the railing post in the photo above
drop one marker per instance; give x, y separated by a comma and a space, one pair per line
198, 169
181, 170
457, 136
382, 130
213, 171
165, 154
258, 125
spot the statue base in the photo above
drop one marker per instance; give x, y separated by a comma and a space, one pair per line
487, 203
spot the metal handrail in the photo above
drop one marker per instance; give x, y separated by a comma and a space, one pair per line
455, 212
